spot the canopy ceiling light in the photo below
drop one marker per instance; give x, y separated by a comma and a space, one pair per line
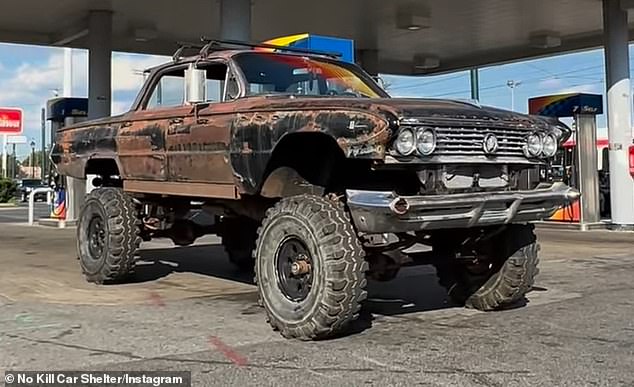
145, 34
424, 62
413, 18
545, 39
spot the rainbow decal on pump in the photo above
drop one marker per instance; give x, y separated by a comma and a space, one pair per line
284, 41
566, 105
545, 106
318, 43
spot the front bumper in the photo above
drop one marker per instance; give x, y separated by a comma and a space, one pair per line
386, 212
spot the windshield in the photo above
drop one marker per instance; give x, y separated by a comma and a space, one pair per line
30, 183
269, 73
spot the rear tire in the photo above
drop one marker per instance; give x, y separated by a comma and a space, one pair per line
238, 238
512, 267
315, 234
108, 236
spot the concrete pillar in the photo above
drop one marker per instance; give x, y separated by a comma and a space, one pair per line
99, 64
619, 110
588, 176
235, 20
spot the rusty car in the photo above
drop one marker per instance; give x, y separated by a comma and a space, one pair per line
318, 181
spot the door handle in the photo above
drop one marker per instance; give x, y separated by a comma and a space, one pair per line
126, 124
176, 121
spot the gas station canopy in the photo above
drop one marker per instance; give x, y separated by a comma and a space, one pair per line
405, 37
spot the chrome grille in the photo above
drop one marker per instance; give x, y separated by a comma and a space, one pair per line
469, 141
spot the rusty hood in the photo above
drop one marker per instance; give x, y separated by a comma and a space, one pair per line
399, 108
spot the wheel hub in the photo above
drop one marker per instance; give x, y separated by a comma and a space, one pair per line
96, 237
294, 269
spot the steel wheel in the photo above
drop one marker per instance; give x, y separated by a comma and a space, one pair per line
294, 264
96, 237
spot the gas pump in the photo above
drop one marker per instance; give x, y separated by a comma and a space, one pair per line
576, 165
69, 192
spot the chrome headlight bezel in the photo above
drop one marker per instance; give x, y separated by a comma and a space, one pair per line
555, 145
405, 151
529, 147
420, 132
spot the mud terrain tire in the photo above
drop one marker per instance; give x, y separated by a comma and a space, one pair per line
319, 234
238, 238
108, 236
512, 271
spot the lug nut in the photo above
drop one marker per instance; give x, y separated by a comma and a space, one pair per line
300, 267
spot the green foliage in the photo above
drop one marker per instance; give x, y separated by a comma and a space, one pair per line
8, 189
38, 155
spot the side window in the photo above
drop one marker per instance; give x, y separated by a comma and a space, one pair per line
169, 91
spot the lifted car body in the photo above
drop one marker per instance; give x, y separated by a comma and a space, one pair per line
291, 133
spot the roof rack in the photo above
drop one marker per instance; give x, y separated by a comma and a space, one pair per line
209, 45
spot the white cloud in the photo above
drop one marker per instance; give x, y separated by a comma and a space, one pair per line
586, 88
127, 70
550, 83
30, 84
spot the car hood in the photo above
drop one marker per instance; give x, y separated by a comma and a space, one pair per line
401, 108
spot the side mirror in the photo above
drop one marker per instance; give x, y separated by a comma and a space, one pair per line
195, 85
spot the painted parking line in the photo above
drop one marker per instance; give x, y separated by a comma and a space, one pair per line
228, 352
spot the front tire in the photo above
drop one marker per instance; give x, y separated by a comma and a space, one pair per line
502, 279
310, 268
108, 235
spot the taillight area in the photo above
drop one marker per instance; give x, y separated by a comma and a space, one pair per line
631, 157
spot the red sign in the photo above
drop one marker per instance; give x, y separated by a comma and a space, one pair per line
11, 121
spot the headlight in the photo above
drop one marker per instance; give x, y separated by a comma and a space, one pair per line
534, 145
550, 145
425, 141
405, 143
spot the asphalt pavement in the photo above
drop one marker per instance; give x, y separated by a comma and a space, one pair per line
188, 309
20, 213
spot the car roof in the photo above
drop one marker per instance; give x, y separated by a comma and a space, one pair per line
228, 54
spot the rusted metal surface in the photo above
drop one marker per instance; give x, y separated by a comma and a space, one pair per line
197, 190
230, 144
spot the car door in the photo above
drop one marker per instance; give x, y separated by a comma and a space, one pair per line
141, 136
198, 148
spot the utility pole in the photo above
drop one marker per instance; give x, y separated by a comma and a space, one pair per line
32, 159
4, 155
43, 161
475, 84
14, 164
512, 85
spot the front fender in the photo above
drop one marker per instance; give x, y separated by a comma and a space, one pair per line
256, 135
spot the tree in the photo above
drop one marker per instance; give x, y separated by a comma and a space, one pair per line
38, 159
7, 190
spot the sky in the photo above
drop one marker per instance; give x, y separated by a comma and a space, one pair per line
30, 75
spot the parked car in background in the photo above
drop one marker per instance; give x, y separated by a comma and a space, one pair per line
27, 185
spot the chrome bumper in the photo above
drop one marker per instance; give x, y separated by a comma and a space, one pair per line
384, 212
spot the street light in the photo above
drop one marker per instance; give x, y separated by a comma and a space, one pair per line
33, 159
512, 85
